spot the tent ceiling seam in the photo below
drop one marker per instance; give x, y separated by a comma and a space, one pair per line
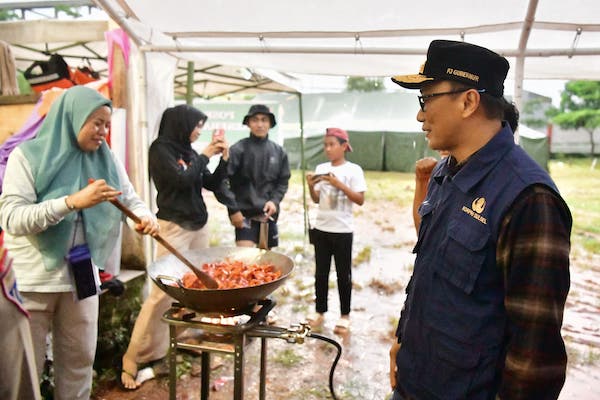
559, 26
350, 50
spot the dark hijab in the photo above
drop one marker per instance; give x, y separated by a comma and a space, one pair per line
176, 125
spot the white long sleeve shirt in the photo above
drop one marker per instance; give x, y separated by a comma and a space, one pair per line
21, 217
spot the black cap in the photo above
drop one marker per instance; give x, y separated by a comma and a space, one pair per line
448, 60
260, 109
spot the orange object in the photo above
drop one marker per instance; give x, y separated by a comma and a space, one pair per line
233, 274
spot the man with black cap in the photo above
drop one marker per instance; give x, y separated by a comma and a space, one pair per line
484, 306
259, 172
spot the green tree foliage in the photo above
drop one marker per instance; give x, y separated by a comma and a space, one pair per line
533, 112
362, 84
8, 15
579, 108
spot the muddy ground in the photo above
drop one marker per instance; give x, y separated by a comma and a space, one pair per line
382, 250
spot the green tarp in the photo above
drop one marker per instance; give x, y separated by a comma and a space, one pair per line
390, 151
373, 151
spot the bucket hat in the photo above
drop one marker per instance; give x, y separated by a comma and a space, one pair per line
260, 109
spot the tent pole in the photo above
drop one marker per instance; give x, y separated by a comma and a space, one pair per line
303, 163
143, 127
189, 91
520, 62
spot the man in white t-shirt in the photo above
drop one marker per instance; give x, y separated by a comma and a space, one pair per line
336, 185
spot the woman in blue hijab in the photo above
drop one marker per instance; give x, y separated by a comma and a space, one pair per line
54, 199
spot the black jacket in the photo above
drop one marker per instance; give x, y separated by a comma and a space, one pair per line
180, 173
179, 185
258, 171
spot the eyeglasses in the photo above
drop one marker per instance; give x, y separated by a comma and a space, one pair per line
429, 96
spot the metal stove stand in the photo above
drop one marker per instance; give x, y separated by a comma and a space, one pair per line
228, 339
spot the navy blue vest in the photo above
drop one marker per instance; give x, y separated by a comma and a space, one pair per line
453, 332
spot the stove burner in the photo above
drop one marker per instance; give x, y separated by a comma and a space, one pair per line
239, 321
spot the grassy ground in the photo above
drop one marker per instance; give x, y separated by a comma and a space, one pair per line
579, 184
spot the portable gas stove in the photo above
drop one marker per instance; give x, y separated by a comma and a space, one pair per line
229, 335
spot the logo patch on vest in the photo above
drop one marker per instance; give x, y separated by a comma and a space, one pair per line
477, 207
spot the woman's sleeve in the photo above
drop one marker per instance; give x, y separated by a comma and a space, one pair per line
20, 214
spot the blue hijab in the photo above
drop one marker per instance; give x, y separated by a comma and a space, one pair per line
59, 168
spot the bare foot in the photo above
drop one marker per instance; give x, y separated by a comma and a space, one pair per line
128, 374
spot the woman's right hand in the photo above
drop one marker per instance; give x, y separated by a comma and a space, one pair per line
94, 193
218, 145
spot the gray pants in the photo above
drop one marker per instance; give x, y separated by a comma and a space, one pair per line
74, 327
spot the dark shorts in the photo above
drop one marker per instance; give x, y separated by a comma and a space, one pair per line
251, 231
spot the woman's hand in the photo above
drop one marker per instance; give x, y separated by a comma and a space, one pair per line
94, 193
147, 226
218, 145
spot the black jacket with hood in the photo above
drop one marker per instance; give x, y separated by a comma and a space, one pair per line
180, 173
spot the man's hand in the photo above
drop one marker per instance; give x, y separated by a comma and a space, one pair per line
393, 351
270, 208
237, 219
424, 166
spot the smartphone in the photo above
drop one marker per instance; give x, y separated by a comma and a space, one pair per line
316, 176
218, 134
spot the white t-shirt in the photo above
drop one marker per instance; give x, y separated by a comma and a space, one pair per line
335, 209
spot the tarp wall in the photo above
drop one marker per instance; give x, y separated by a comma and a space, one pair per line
373, 151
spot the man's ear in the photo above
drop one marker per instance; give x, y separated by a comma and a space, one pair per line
471, 100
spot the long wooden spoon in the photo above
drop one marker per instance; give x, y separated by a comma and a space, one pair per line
205, 278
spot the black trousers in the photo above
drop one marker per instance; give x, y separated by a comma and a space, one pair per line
338, 245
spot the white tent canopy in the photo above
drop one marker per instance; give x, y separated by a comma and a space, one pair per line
375, 38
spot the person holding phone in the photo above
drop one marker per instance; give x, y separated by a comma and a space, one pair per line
179, 174
335, 187
55, 197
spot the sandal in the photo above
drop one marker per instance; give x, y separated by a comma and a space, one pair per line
315, 320
127, 380
342, 326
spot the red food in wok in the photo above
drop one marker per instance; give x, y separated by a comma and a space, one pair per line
231, 274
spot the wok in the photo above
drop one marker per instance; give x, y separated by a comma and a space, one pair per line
167, 272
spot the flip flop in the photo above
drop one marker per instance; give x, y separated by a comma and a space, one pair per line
342, 326
132, 377
315, 320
